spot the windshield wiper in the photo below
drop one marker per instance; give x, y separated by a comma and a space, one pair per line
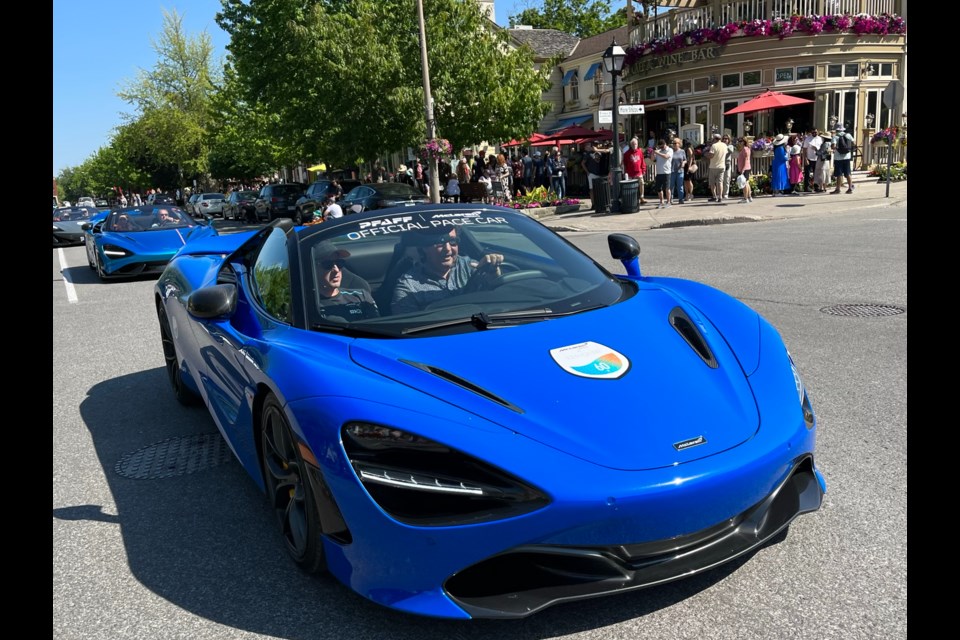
484, 320
349, 329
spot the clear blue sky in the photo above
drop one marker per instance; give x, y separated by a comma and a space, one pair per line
100, 45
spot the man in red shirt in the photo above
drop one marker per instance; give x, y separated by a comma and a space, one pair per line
634, 165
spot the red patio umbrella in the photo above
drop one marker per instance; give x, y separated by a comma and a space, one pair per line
534, 138
767, 100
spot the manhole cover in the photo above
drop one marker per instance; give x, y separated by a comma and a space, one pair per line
175, 457
863, 310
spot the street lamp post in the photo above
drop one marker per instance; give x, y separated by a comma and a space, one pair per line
428, 106
613, 59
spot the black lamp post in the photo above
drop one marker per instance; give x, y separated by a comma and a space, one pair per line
613, 59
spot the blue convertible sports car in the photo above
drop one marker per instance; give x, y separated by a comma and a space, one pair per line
459, 414
134, 241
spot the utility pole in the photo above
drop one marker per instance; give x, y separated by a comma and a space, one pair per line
428, 106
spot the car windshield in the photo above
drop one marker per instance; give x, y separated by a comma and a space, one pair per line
396, 188
287, 190
66, 214
147, 218
409, 272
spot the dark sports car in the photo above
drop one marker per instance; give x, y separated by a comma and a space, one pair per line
68, 223
381, 195
459, 414
133, 241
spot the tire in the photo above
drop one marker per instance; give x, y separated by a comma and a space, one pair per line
289, 490
298, 218
184, 395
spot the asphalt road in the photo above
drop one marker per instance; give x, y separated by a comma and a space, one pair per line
194, 554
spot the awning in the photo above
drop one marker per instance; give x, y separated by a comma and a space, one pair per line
591, 71
568, 75
659, 103
568, 122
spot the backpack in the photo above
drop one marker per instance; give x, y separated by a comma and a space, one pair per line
843, 143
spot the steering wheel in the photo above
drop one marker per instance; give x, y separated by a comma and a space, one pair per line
509, 272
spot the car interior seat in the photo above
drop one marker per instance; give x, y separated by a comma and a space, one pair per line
405, 256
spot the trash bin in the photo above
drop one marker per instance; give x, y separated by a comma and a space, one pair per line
601, 195
629, 196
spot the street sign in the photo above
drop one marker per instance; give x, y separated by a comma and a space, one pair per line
631, 109
893, 95
605, 116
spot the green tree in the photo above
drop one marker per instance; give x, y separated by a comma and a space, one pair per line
345, 77
239, 140
582, 18
167, 132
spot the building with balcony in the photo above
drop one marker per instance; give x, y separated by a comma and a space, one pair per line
691, 64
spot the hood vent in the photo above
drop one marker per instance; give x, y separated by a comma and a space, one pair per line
688, 330
464, 384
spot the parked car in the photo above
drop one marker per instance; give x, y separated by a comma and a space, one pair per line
210, 204
68, 223
312, 198
380, 196
278, 201
133, 241
161, 198
239, 206
189, 204
538, 432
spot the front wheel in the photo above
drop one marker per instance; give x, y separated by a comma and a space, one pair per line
288, 489
184, 395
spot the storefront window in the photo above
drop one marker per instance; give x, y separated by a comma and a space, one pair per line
851, 70
784, 74
805, 73
686, 115
701, 85
701, 113
730, 80
834, 71
650, 93
751, 78
886, 69
684, 87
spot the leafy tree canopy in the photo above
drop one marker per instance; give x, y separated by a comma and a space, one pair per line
345, 78
582, 18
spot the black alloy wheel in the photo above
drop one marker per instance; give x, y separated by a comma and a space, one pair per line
184, 395
289, 490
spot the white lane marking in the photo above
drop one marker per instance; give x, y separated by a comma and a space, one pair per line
71, 290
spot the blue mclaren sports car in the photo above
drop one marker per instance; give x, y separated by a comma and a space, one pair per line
458, 414
140, 240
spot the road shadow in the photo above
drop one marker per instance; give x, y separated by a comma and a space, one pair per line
202, 537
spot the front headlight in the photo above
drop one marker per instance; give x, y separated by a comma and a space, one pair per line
805, 405
113, 251
419, 481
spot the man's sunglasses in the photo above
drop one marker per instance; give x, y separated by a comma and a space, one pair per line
330, 264
454, 241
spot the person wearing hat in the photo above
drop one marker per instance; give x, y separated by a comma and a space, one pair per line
842, 153
716, 153
442, 272
821, 174
779, 177
333, 301
810, 148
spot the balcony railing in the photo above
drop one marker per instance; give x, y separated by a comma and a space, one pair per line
682, 20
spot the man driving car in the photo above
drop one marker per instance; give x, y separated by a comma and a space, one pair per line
442, 272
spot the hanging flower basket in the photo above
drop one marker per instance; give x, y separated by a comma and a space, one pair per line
437, 148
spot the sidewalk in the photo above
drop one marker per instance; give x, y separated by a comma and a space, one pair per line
867, 193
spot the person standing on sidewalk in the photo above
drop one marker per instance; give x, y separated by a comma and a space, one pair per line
634, 166
676, 172
717, 156
810, 149
743, 168
779, 179
821, 175
690, 154
664, 158
728, 167
843, 144
591, 166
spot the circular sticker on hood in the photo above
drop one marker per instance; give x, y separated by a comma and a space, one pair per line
591, 360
